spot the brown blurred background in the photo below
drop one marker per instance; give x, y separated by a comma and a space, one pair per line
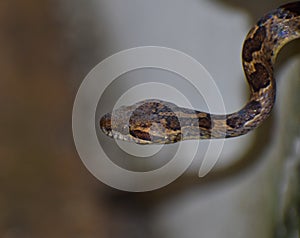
45, 190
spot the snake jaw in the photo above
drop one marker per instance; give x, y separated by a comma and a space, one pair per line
106, 127
118, 131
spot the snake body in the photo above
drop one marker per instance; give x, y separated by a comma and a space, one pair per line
156, 121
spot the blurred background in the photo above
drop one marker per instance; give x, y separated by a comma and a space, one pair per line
48, 47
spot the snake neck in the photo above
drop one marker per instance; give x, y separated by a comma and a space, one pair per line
155, 121
260, 50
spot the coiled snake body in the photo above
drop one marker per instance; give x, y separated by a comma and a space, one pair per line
156, 121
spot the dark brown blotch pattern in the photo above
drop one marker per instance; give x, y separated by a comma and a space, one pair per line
144, 116
173, 123
254, 44
260, 78
293, 7
205, 122
140, 135
237, 120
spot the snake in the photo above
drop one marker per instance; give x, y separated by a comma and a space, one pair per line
154, 121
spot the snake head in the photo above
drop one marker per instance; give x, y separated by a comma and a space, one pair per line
146, 122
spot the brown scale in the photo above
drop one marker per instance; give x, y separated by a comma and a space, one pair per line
156, 121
